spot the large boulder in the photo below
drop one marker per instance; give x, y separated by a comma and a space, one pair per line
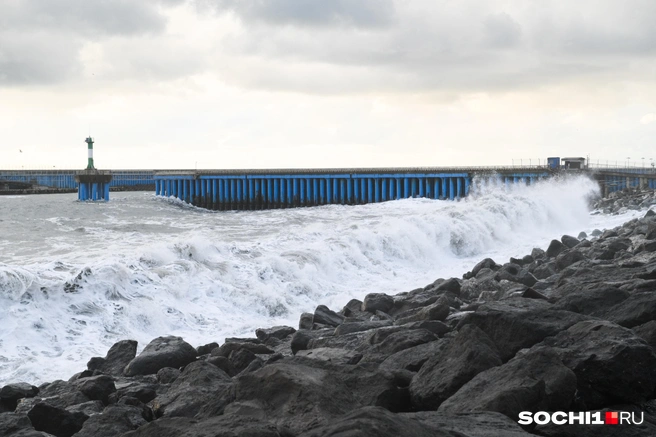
567, 258
413, 358
56, 421
519, 323
279, 332
11, 393
161, 352
325, 316
637, 309
611, 363
377, 302
470, 352
555, 247
221, 426
338, 356
118, 356
595, 299
534, 380
113, 421
570, 241
18, 425
97, 388
200, 384
297, 394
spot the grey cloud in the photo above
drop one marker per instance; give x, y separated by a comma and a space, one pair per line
502, 31
40, 39
356, 13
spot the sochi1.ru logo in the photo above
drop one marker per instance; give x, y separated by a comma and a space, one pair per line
581, 418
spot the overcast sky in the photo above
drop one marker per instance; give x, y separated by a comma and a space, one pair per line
319, 83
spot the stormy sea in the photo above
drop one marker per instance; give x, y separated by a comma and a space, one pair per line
76, 277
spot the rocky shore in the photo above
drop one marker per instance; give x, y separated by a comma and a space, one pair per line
568, 328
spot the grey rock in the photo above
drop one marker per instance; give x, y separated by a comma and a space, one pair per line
323, 315
206, 348
161, 352
10, 394
56, 421
114, 421
470, 352
97, 388
637, 309
534, 380
377, 302
118, 356
279, 332
167, 375
555, 247
567, 258
338, 356
569, 241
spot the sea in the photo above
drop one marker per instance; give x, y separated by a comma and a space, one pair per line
75, 277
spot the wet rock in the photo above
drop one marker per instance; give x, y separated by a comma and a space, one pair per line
337, 356
305, 321
534, 380
569, 241
323, 315
206, 348
222, 426
241, 358
567, 258
530, 293
413, 358
582, 235
56, 421
435, 311
470, 352
297, 394
377, 302
161, 352
596, 233
637, 309
118, 356
18, 425
611, 363
11, 393
224, 364
199, 385
647, 332
554, 249
595, 299
279, 332
62, 394
451, 285
228, 348
89, 408
350, 327
404, 339
167, 375
114, 421
97, 388
519, 323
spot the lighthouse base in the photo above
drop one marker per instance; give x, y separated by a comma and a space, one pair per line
93, 185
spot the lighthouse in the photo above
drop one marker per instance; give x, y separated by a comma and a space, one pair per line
93, 184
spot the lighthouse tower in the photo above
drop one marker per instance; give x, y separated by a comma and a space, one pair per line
93, 184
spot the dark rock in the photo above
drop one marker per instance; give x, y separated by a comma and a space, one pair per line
241, 358
469, 353
161, 352
97, 388
297, 394
377, 302
300, 341
199, 385
206, 348
435, 311
519, 323
353, 308
227, 348
487, 263
611, 363
582, 235
224, 364
532, 381
62, 394
594, 300
305, 321
11, 393
325, 316
544, 271
530, 293
567, 258
637, 309
435, 326
114, 421
398, 341
451, 285
538, 253
527, 259
167, 375
89, 408
141, 390
596, 233
647, 332
56, 421
413, 358
118, 356
18, 425
555, 247
350, 327
222, 426
650, 213
337, 356
279, 332
569, 241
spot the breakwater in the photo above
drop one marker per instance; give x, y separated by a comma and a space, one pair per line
270, 189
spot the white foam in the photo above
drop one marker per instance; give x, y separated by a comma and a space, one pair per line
159, 268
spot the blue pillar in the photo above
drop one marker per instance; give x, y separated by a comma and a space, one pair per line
370, 190
398, 188
342, 191
158, 188
180, 193
94, 191
349, 191
214, 187
467, 186
329, 191
185, 192
421, 187
376, 190
192, 190
106, 187
459, 187
363, 191
335, 191
406, 188
322, 192
451, 190
383, 182
303, 187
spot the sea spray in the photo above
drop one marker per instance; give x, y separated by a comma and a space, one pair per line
141, 267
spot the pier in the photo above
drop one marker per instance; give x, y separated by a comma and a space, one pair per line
272, 189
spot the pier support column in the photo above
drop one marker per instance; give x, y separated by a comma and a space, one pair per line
451, 188
459, 187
